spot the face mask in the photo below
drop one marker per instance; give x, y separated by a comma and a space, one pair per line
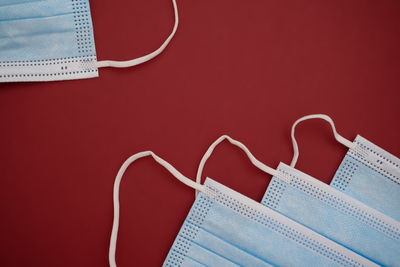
327, 211
367, 173
53, 40
225, 228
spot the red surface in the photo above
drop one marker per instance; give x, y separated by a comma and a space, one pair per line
248, 69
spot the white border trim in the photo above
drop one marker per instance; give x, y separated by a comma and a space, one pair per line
49, 70
376, 158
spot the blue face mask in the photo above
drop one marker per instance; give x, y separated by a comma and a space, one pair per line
372, 176
225, 228
335, 215
52, 40
327, 211
367, 173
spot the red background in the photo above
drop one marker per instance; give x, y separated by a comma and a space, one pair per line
247, 69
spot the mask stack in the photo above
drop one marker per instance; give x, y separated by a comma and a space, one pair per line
50, 40
326, 211
225, 228
300, 221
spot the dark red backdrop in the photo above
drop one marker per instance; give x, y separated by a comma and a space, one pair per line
248, 69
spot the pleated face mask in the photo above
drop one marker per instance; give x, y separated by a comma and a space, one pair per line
327, 211
225, 228
367, 173
50, 40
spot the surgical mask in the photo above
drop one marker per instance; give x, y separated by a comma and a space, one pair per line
53, 40
327, 211
367, 173
225, 228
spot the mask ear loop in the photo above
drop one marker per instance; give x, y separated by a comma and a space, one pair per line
140, 60
338, 137
234, 142
130, 160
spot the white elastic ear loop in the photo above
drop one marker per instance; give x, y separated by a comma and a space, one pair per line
253, 160
338, 137
169, 167
140, 60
